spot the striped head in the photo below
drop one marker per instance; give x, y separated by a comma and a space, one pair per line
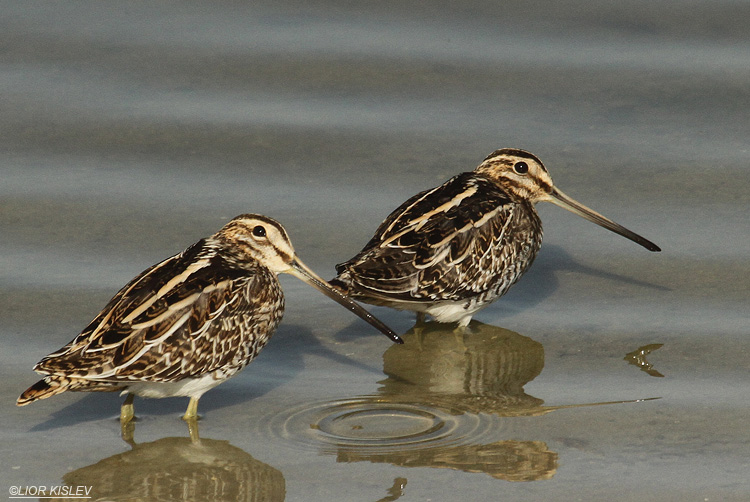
519, 172
255, 238
523, 176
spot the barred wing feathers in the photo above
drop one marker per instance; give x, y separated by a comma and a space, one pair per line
153, 327
447, 243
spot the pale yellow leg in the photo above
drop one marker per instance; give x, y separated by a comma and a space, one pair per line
192, 410
127, 411
191, 417
127, 422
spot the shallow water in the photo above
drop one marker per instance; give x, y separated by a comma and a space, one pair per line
129, 132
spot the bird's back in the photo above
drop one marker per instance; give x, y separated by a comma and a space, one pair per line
189, 315
466, 239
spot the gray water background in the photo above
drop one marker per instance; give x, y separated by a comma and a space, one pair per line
130, 130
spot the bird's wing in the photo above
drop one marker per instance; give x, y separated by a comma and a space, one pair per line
151, 327
437, 245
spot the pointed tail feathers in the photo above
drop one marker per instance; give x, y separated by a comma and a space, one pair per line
55, 384
47, 387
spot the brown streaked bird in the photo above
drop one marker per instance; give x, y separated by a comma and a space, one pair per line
452, 250
188, 323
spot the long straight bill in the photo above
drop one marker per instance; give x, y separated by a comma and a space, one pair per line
302, 272
560, 199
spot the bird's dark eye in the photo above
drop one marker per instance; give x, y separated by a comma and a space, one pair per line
259, 231
521, 167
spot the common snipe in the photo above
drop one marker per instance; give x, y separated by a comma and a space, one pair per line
452, 250
188, 323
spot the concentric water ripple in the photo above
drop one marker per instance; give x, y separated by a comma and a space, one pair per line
369, 422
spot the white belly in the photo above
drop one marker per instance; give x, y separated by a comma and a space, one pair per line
459, 312
187, 387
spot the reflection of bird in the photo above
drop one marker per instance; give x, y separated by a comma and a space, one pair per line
438, 368
181, 469
452, 250
188, 323
509, 460
440, 373
484, 372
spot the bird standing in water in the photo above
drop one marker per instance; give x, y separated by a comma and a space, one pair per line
452, 250
188, 323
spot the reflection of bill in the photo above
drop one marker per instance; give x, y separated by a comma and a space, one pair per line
638, 358
508, 460
181, 469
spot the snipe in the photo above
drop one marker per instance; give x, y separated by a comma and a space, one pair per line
452, 250
187, 324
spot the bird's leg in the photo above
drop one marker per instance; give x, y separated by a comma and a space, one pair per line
421, 317
192, 410
127, 422
127, 411
191, 417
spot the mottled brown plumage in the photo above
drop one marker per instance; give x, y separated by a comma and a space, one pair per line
188, 323
451, 250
